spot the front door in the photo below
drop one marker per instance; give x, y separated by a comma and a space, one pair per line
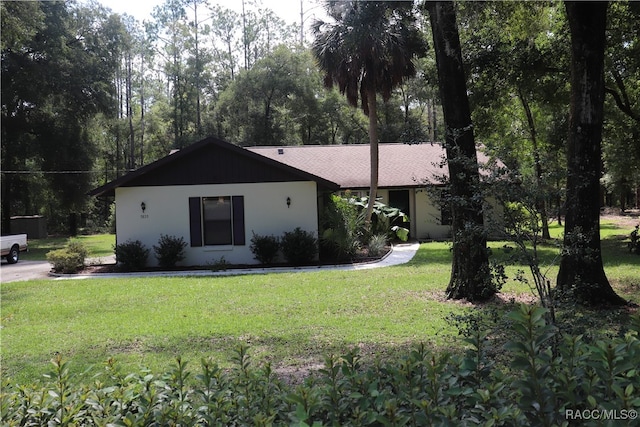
400, 199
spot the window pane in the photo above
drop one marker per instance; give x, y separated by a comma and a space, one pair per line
217, 220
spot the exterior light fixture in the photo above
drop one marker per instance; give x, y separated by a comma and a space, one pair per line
288, 202
143, 206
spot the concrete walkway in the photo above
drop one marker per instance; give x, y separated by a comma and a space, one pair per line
399, 254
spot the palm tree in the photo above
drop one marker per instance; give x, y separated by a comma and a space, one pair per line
369, 49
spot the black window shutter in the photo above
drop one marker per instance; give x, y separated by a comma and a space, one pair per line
238, 220
195, 221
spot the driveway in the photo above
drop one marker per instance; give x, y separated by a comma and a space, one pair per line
24, 270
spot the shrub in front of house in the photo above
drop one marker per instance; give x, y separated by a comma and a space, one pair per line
170, 250
299, 247
69, 259
344, 232
341, 229
131, 255
377, 245
265, 248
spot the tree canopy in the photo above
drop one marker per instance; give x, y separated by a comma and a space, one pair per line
88, 94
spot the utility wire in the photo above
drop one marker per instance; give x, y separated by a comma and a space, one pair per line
18, 172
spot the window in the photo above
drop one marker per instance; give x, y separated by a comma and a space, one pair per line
217, 221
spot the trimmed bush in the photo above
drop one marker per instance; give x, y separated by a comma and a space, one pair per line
131, 255
299, 247
265, 248
170, 250
70, 259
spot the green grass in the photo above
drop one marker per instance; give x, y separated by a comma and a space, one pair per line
291, 319
98, 245
288, 318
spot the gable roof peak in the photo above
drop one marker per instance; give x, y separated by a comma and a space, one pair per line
211, 161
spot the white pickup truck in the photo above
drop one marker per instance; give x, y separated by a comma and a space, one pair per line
12, 246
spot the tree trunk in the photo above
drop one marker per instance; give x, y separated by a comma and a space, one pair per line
244, 38
373, 154
7, 183
142, 107
129, 106
434, 119
541, 203
581, 270
429, 122
198, 76
470, 275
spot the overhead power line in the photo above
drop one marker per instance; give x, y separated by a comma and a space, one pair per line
26, 172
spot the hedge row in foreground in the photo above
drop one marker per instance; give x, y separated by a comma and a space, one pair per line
551, 380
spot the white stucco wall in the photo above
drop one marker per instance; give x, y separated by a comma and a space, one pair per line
428, 218
494, 219
167, 212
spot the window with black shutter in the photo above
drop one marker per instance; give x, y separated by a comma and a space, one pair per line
217, 221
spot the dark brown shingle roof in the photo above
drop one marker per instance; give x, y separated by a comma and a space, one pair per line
401, 165
211, 161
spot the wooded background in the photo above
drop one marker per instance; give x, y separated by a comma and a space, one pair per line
88, 95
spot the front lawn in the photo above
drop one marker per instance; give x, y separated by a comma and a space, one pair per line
288, 318
98, 245
291, 320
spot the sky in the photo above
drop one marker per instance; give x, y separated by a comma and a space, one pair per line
288, 10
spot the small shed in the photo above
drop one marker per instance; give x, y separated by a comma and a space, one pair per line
34, 226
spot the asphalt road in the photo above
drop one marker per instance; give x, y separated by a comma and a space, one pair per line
23, 270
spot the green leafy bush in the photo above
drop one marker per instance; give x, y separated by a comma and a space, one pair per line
70, 259
341, 229
377, 245
264, 248
219, 264
385, 219
299, 247
170, 250
344, 231
549, 380
131, 255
